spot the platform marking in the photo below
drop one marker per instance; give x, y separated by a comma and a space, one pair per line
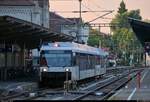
57, 98
115, 94
144, 76
129, 98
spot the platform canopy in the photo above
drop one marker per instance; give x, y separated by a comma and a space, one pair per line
141, 29
13, 30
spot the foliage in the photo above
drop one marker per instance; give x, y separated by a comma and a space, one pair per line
96, 39
124, 39
122, 8
123, 42
93, 38
122, 19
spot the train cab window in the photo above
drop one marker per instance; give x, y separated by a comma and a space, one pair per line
57, 59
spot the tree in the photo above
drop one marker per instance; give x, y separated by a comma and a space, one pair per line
96, 39
93, 38
122, 8
123, 36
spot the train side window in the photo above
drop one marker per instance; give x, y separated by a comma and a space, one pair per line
73, 59
74, 62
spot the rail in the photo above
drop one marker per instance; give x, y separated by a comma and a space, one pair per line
106, 85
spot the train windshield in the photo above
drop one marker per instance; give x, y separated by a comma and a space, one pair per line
57, 58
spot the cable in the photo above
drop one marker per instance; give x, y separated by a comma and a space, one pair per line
99, 11
79, 11
89, 9
100, 16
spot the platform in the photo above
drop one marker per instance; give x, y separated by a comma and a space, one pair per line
132, 91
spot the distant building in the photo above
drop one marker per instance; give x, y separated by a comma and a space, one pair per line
35, 11
56, 21
81, 31
69, 26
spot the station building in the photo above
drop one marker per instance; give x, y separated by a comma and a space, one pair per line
24, 26
35, 11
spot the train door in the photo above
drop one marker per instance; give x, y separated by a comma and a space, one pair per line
78, 63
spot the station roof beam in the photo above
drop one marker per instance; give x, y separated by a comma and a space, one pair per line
20, 31
141, 29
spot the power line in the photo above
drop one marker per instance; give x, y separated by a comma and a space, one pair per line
100, 16
89, 9
97, 11
79, 11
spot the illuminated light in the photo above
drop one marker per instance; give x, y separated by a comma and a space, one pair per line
45, 70
67, 70
56, 44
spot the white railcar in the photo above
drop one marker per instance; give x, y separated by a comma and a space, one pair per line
82, 61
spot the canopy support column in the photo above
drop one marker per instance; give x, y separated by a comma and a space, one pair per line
5, 68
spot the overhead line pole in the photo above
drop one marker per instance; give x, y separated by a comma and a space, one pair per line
80, 21
80, 10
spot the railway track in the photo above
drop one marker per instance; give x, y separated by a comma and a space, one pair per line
99, 91
10, 97
106, 90
43, 93
23, 95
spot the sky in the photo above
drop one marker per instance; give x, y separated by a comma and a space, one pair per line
99, 5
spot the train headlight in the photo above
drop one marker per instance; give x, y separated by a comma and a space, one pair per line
45, 69
67, 70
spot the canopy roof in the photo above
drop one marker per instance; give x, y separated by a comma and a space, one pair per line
17, 3
141, 29
14, 30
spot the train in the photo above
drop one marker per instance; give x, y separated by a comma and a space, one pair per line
61, 61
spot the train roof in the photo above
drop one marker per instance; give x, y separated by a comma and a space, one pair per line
75, 47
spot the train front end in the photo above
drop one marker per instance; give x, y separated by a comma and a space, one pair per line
54, 67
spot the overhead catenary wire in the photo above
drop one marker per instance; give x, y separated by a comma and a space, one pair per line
99, 7
98, 11
100, 16
89, 9
85, 11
